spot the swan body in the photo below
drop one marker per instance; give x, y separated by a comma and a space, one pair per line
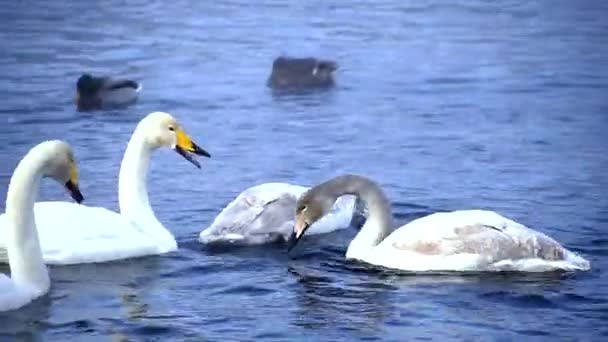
29, 275
81, 239
74, 234
264, 214
464, 240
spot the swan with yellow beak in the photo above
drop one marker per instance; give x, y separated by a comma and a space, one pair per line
73, 234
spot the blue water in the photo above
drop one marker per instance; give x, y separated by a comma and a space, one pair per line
478, 105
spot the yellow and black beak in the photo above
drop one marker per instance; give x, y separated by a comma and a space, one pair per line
299, 229
72, 184
186, 147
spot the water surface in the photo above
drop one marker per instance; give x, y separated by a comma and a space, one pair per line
448, 106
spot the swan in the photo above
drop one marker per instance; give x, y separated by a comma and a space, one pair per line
464, 240
104, 92
73, 234
29, 275
264, 214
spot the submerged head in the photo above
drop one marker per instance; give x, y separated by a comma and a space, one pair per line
161, 129
310, 208
60, 166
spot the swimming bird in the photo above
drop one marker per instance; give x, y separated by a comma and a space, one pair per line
72, 234
29, 276
464, 240
104, 92
264, 214
290, 73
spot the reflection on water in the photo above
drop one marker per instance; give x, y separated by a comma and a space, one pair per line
133, 304
324, 301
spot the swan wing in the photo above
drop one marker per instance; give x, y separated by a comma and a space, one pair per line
475, 240
265, 213
259, 214
70, 233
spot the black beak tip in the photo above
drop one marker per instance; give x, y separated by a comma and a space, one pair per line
74, 192
200, 151
78, 197
195, 163
292, 241
187, 156
294, 238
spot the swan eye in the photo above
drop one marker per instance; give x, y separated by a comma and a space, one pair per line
171, 128
303, 208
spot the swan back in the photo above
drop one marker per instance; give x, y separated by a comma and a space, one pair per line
472, 240
264, 213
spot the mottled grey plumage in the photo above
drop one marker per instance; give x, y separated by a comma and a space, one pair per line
463, 240
265, 213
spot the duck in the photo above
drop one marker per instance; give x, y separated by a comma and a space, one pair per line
29, 278
76, 234
94, 93
301, 73
462, 240
263, 214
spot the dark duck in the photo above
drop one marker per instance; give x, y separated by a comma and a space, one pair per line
94, 93
301, 73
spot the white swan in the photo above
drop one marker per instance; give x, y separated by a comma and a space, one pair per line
264, 214
72, 234
29, 276
468, 240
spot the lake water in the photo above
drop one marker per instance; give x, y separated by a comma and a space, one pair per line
482, 105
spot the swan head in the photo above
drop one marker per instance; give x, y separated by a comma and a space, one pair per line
61, 167
310, 207
162, 130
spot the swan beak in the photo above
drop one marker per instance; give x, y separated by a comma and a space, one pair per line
186, 148
74, 191
72, 184
298, 231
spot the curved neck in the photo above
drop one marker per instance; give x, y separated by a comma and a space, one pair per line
22, 243
133, 193
132, 190
379, 222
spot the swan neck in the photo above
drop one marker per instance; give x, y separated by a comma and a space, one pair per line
22, 242
379, 221
132, 189
133, 192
